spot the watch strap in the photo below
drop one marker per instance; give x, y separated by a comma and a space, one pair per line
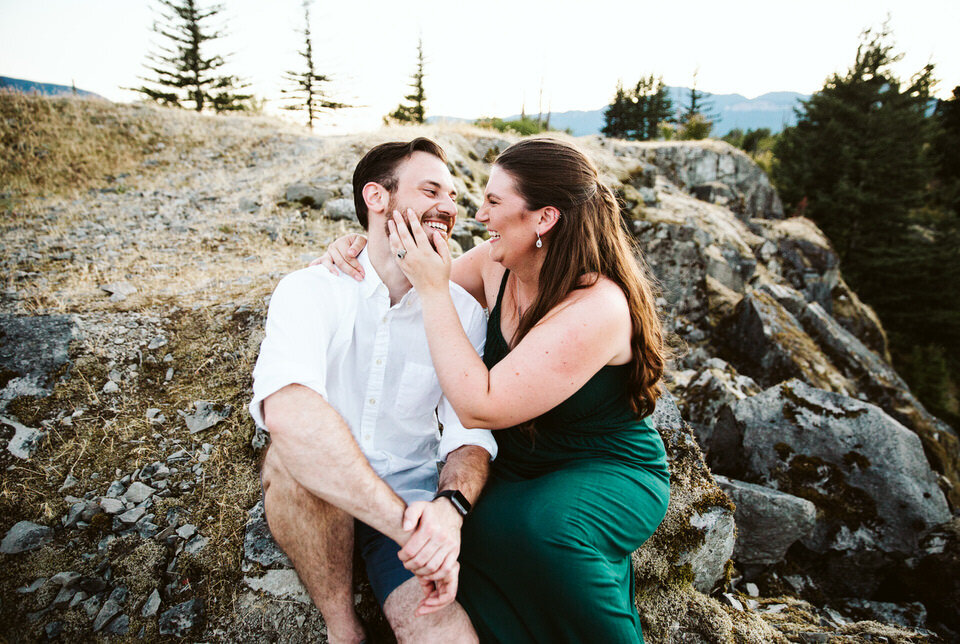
458, 500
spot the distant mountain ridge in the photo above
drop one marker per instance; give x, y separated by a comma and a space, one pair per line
48, 89
774, 110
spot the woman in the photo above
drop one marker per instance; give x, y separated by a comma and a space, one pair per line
572, 364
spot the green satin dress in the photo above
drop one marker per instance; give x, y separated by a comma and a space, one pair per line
545, 555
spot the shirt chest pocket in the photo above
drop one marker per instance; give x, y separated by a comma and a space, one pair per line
419, 391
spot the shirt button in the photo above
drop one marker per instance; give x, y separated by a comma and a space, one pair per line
379, 361
373, 401
366, 437
384, 320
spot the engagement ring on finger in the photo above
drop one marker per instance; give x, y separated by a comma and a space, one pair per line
401, 253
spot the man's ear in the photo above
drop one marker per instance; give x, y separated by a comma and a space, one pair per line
376, 197
549, 216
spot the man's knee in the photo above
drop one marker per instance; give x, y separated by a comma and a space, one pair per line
449, 624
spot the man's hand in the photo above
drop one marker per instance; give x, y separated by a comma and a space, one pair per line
432, 550
437, 594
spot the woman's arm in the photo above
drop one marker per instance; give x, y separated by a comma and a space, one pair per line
558, 356
467, 270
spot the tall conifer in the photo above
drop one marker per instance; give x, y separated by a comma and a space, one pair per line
185, 73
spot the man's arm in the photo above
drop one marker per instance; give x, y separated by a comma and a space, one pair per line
433, 549
316, 447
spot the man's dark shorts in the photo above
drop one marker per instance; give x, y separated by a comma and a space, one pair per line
384, 568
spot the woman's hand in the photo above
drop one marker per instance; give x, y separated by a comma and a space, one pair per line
426, 265
342, 254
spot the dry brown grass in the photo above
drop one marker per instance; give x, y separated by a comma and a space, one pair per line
64, 145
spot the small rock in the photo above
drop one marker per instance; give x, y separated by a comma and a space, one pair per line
110, 387
169, 376
340, 209
138, 492
280, 583
64, 597
179, 455
25, 536
116, 489
186, 531
68, 579
152, 605
80, 597
25, 439
53, 629
119, 626
132, 516
196, 544
752, 589
68, 482
111, 608
111, 506
732, 600
157, 342
207, 415
32, 588
92, 606
73, 514
119, 290
181, 618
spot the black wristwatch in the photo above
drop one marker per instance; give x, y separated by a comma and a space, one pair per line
459, 501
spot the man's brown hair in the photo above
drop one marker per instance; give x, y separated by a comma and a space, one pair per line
379, 165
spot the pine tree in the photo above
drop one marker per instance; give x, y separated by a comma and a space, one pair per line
697, 118
862, 162
615, 116
413, 113
308, 85
184, 73
856, 157
637, 114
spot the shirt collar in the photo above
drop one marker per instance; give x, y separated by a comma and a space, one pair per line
371, 279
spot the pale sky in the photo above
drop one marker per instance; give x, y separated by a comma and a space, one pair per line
487, 58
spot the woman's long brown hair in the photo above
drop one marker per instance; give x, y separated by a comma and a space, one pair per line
589, 238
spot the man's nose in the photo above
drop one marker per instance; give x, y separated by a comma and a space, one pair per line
447, 206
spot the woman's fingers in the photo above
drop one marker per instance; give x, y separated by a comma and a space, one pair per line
417, 229
403, 232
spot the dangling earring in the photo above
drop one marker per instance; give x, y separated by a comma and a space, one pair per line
539, 242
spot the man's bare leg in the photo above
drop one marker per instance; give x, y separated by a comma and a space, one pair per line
450, 624
318, 539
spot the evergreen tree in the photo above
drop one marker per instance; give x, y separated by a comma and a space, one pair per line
308, 85
696, 120
855, 157
864, 161
413, 113
637, 114
615, 116
185, 74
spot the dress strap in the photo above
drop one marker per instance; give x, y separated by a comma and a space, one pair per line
503, 287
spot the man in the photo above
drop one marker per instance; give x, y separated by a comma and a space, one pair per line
345, 385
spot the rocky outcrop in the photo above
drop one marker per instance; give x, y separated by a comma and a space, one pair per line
865, 472
142, 523
700, 167
32, 350
768, 521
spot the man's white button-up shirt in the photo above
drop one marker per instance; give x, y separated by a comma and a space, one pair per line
371, 362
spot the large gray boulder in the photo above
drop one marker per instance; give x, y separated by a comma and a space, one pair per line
689, 164
696, 538
32, 351
701, 393
768, 521
866, 473
772, 346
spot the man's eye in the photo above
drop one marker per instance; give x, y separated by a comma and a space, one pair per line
432, 193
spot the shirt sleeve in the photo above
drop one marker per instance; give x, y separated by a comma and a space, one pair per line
455, 435
301, 320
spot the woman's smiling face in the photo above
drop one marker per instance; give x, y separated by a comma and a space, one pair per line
504, 212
